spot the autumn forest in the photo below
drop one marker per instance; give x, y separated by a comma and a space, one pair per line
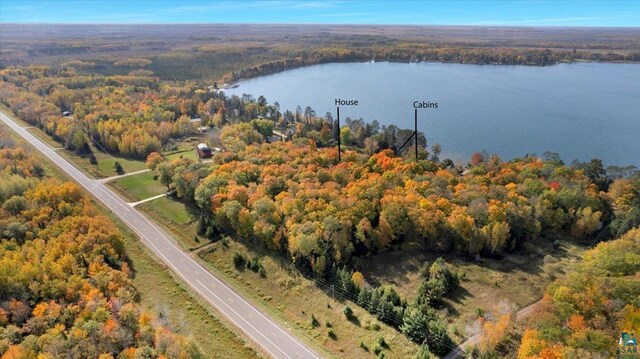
275, 183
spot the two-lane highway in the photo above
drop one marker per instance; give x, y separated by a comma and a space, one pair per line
273, 338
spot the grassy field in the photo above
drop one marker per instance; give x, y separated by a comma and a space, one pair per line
285, 294
518, 278
138, 187
104, 168
185, 153
106, 163
177, 217
165, 295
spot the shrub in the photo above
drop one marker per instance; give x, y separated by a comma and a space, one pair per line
348, 312
423, 352
332, 334
364, 346
314, 322
382, 343
376, 349
238, 259
436, 280
254, 264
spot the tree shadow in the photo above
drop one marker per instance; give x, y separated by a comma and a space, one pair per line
458, 294
354, 320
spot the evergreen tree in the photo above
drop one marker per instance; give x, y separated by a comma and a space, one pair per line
117, 167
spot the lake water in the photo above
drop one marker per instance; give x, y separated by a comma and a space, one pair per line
581, 110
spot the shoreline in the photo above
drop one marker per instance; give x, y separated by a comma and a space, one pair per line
568, 156
238, 75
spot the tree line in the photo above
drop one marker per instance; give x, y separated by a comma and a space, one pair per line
417, 52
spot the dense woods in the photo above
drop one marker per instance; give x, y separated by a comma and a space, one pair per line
121, 114
584, 313
297, 200
226, 52
65, 283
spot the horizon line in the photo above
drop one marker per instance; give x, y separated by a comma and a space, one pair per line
311, 24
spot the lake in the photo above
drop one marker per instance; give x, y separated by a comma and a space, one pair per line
580, 110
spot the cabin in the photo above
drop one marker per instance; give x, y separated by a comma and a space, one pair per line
203, 151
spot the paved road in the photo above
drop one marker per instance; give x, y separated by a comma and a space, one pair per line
274, 339
474, 339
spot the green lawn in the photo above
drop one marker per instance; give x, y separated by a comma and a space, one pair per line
177, 217
284, 293
189, 153
173, 210
106, 163
138, 187
104, 168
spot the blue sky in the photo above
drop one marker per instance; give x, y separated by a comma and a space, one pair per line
478, 12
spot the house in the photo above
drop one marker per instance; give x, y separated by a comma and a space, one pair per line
203, 151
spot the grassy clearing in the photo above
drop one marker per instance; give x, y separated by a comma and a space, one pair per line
177, 217
165, 295
518, 278
106, 163
138, 187
189, 153
287, 295
104, 168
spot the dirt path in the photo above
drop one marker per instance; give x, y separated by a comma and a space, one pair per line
459, 350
